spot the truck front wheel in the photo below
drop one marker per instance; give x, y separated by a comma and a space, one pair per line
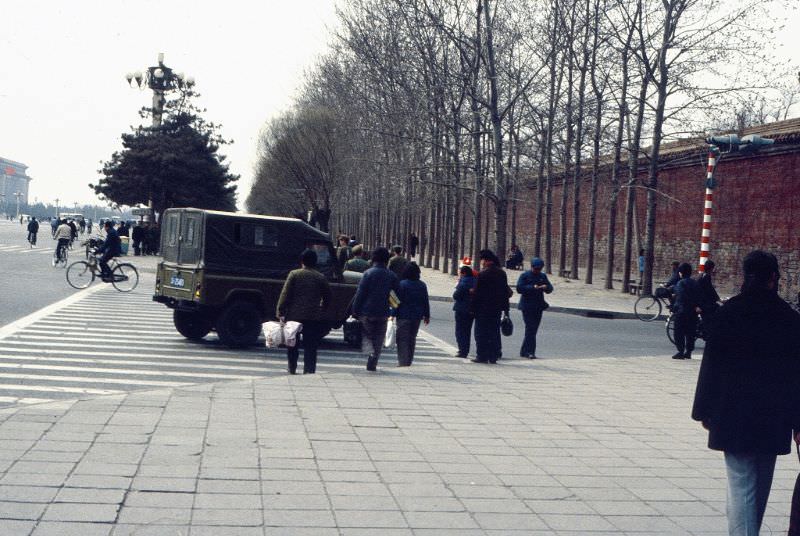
192, 325
239, 324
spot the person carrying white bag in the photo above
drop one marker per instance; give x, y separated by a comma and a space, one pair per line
304, 299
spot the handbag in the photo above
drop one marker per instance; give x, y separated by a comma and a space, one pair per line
794, 518
394, 301
506, 325
352, 331
391, 333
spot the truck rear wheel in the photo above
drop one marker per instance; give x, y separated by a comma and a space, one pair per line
239, 325
192, 325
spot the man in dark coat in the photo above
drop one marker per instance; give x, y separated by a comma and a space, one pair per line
33, 230
371, 305
709, 299
137, 238
413, 244
462, 308
747, 390
532, 285
687, 302
111, 248
490, 300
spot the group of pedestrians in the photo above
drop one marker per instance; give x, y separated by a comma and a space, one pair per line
693, 299
382, 294
483, 299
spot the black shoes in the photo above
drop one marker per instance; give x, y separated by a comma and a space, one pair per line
679, 355
372, 363
459, 354
685, 355
476, 360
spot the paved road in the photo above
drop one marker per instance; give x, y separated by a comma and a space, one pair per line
103, 342
570, 336
108, 343
28, 281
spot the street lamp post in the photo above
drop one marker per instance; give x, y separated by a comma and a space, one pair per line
18, 195
160, 79
57, 200
731, 144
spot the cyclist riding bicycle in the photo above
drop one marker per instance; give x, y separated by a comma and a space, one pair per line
63, 235
111, 248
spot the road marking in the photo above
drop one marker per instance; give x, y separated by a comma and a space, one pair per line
17, 325
57, 389
437, 342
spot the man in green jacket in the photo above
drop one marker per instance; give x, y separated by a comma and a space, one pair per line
305, 296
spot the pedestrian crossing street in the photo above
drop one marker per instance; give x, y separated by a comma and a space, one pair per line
108, 343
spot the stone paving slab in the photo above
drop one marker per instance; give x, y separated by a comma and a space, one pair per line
565, 447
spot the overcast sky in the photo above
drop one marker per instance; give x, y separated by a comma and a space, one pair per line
64, 100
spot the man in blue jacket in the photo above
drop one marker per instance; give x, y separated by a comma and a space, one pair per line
532, 285
111, 248
461, 306
371, 305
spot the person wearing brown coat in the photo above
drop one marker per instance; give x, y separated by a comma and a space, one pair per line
304, 298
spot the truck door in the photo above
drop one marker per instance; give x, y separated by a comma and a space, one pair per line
189, 238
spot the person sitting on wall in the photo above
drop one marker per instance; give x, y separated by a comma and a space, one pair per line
515, 258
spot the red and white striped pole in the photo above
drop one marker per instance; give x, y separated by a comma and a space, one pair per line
705, 237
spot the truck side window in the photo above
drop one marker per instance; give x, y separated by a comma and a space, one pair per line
252, 235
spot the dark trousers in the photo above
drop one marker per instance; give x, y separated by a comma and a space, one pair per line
463, 332
310, 337
532, 320
685, 329
32, 238
105, 270
137, 247
487, 337
60, 246
406, 338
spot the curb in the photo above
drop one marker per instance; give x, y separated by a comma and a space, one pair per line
578, 311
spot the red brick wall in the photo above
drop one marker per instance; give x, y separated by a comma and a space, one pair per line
756, 206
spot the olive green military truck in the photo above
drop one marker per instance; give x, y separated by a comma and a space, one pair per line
224, 272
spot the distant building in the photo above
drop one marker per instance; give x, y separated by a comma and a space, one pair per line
13, 179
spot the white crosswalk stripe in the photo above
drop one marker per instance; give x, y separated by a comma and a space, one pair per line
109, 343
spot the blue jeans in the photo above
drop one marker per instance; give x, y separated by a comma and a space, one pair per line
463, 332
487, 337
749, 483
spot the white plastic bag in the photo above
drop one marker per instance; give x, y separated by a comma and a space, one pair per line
391, 333
290, 331
273, 333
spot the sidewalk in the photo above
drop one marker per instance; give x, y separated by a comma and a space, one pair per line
569, 295
561, 447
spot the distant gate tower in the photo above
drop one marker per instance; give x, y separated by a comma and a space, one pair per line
13, 179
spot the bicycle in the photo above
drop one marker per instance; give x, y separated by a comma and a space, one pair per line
81, 274
648, 308
670, 327
60, 256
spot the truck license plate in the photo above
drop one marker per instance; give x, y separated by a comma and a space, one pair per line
176, 281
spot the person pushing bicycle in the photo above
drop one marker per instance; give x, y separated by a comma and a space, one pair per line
110, 248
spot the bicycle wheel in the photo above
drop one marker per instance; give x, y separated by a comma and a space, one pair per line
670, 327
64, 257
125, 277
647, 308
80, 274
